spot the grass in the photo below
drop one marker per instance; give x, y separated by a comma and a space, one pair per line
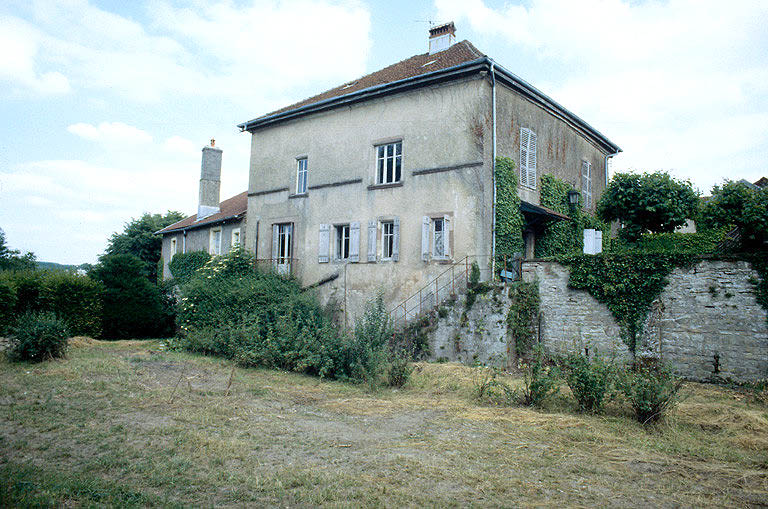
129, 424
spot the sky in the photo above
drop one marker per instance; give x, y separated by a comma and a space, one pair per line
106, 105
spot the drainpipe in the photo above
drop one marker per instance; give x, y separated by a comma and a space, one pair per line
184, 242
493, 171
608, 156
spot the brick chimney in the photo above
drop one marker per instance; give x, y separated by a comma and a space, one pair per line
210, 181
442, 37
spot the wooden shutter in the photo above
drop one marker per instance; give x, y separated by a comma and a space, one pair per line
354, 242
425, 223
524, 139
275, 243
324, 244
372, 240
396, 240
447, 236
532, 159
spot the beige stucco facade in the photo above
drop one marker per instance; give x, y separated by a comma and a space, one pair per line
445, 131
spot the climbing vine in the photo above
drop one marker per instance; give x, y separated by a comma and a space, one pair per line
509, 219
627, 284
759, 262
564, 237
521, 317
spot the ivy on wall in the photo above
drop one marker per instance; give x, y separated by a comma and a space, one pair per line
627, 283
184, 265
564, 237
509, 219
521, 317
759, 262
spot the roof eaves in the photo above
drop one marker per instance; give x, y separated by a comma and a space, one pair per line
367, 93
195, 226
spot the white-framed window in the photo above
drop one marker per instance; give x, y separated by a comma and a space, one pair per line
235, 237
586, 183
282, 247
527, 158
343, 242
301, 175
436, 238
387, 239
214, 244
389, 163
173, 249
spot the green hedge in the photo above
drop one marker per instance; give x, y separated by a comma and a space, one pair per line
698, 243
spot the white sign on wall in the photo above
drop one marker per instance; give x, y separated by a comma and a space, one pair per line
593, 241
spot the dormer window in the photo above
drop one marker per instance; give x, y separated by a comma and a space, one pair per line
389, 165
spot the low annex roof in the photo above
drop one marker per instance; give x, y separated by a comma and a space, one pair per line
229, 210
459, 60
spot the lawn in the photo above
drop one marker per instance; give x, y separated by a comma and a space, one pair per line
127, 423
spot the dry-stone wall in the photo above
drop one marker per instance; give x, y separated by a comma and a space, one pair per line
706, 323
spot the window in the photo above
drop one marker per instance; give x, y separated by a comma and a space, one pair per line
527, 158
301, 175
173, 249
282, 247
214, 246
342, 241
436, 238
387, 239
389, 163
235, 237
586, 183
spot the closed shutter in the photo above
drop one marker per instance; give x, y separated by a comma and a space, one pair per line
372, 240
532, 160
396, 240
425, 222
524, 139
354, 242
275, 243
324, 244
447, 236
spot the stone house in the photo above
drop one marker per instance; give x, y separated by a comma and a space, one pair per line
217, 226
384, 181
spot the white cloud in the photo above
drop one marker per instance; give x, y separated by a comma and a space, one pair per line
180, 145
256, 50
18, 65
679, 85
110, 132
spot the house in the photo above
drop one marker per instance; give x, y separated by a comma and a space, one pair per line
386, 181
217, 226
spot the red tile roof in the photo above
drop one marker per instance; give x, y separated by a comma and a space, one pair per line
232, 208
417, 65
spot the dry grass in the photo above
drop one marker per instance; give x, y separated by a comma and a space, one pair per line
129, 424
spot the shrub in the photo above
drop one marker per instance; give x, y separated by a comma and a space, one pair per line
652, 392
132, 305
28, 285
400, 370
184, 265
539, 380
38, 337
7, 305
490, 390
75, 299
589, 380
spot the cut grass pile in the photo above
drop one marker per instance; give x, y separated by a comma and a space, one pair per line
129, 424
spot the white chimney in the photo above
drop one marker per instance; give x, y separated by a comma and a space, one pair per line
210, 182
442, 37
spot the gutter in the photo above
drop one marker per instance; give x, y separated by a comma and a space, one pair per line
608, 156
201, 225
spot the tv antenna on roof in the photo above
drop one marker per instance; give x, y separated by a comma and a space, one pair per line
432, 23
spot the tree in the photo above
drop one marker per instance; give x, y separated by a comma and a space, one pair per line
736, 204
132, 307
12, 259
139, 239
653, 202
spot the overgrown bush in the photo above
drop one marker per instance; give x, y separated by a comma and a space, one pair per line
652, 392
184, 265
400, 370
75, 299
735, 203
132, 305
7, 305
702, 242
590, 380
490, 389
540, 381
38, 337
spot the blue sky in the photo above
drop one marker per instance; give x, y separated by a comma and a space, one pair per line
105, 105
